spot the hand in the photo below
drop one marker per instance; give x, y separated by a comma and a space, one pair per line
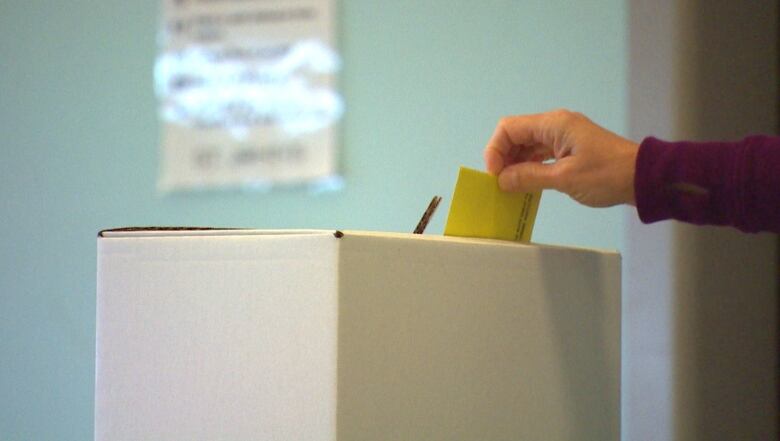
564, 151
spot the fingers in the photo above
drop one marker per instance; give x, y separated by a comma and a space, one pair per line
537, 134
494, 161
516, 130
511, 133
530, 176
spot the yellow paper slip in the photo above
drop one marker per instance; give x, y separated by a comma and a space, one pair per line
480, 209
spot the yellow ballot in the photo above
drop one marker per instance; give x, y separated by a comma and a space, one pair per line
480, 209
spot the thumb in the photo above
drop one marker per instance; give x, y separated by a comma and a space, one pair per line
529, 176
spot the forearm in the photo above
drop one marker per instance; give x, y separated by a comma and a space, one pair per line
712, 183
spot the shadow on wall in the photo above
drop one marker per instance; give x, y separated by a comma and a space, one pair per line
727, 58
725, 302
725, 335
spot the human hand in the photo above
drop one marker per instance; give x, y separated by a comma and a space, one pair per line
564, 151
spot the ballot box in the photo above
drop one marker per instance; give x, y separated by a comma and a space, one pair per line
330, 335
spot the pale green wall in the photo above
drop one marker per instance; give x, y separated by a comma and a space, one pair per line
424, 81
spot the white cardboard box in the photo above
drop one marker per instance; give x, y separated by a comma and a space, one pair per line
302, 335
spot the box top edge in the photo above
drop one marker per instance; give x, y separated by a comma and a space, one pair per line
129, 232
473, 240
138, 232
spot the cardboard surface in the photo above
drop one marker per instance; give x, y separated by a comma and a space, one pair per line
302, 335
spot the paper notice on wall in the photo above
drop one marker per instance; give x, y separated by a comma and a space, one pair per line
247, 93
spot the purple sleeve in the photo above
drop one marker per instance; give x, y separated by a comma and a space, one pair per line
710, 183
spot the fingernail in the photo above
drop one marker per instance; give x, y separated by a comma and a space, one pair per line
506, 181
493, 161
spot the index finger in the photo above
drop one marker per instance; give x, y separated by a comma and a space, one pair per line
516, 139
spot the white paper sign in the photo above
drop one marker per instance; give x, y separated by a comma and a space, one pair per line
247, 93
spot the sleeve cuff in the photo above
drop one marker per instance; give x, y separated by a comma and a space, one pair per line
653, 158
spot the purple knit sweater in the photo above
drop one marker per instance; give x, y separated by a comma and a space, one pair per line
710, 183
